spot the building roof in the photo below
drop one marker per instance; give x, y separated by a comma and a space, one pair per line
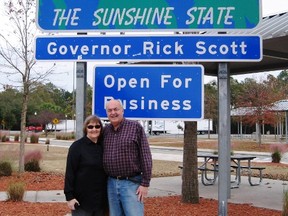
280, 106
242, 111
274, 32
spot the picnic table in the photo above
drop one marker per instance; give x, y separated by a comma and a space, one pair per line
236, 165
239, 164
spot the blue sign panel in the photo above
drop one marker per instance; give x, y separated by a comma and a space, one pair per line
153, 48
151, 92
165, 15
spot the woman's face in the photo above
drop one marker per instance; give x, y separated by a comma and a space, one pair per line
93, 130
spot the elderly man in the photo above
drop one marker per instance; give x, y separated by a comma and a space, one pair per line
127, 161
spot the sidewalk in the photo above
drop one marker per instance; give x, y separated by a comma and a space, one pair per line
267, 195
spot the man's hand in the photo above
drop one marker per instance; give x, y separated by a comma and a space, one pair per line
142, 192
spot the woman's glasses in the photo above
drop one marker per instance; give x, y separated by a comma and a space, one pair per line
93, 126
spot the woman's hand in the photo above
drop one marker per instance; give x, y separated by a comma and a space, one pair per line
71, 204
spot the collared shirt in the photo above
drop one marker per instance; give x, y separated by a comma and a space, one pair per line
127, 152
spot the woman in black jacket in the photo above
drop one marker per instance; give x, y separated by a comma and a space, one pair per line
85, 180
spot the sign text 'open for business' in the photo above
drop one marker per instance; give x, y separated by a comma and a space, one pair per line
151, 91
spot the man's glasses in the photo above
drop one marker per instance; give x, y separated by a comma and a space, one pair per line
93, 126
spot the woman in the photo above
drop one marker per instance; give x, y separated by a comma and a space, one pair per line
85, 179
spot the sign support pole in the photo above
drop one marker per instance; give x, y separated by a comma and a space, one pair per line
81, 77
224, 137
286, 126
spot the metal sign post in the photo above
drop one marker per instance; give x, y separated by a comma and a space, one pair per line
224, 137
81, 80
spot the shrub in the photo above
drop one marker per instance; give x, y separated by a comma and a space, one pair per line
32, 166
276, 156
16, 137
15, 191
34, 138
65, 136
3, 138
5, 168
32, 161
277, 151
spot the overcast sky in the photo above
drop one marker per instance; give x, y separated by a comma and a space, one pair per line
65, 77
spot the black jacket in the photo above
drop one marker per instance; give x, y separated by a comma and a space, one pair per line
85, 178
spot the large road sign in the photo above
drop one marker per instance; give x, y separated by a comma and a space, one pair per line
151, 92
163, 15
154, 48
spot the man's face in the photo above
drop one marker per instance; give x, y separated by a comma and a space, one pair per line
114, 112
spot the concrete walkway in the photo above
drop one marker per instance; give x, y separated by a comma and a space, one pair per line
267, 195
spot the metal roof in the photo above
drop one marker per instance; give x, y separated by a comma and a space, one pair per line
274, 32
270, 27
280, 106
242, 111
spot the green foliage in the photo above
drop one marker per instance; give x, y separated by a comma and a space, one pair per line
16, 137
15, 191
32, 161
5, 168
3, 138
10, 111
276, 156
277, 151
32, 166
34, 138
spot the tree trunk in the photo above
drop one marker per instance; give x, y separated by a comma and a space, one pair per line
190, 190
258, 133
23, 129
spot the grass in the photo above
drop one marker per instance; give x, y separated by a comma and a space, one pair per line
54, 160
236, 144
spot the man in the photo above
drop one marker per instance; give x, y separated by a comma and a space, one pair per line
127, 161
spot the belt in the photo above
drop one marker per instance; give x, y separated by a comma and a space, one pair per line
124, 177
120, 177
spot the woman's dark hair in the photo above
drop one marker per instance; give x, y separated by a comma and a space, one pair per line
94, 119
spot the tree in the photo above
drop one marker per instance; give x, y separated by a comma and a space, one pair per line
17, 54
190, 190
10, 109
258, 98
210, 102
44, 118
89, 96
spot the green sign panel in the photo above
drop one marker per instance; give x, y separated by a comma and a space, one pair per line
131, 15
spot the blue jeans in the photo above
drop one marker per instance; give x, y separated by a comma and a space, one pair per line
122, 197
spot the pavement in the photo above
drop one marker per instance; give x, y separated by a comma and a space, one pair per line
267, 195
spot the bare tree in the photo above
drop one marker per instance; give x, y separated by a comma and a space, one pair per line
16, 50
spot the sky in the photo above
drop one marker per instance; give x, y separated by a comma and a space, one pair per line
64, 76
